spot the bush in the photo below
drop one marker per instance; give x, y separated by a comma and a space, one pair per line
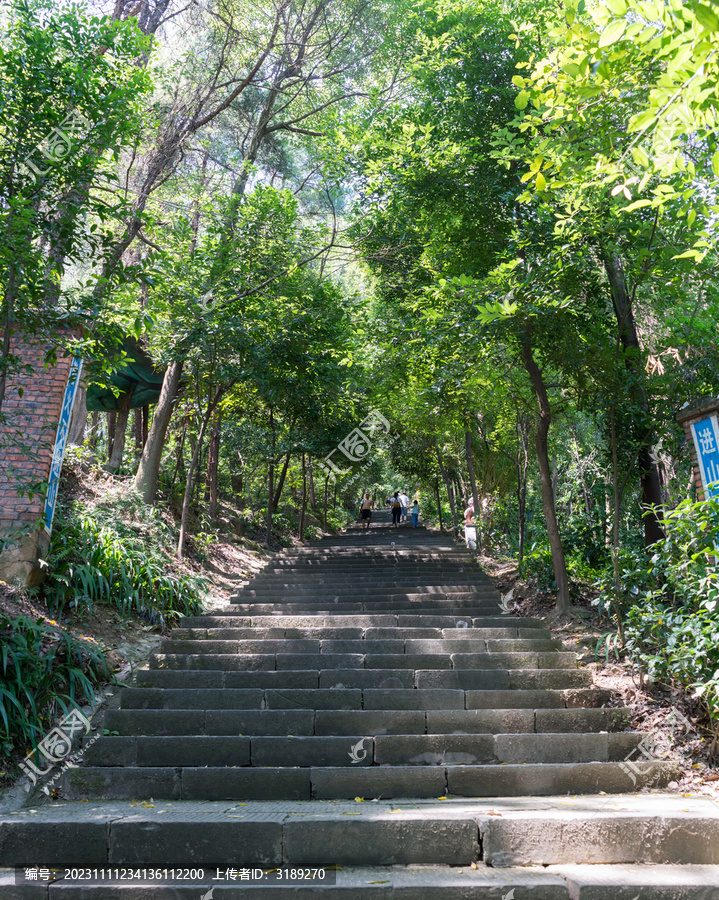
119, 551
537, 566
669, 603
43, 669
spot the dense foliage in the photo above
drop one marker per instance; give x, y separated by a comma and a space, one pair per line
43, 670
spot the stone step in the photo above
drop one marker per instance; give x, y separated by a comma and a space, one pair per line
299, 698
375, 585
460, 712
302, 661
336, 782
342, 751
463, 643
387, 594
456, 679
668, 835
383, 620
421, 574
444, 608
397, 632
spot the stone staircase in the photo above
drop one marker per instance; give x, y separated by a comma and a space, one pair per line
357, 706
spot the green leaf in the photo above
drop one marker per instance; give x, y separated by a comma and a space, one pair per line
612, 33
642, 120
715, 163
706, 17
541, 182
618, 7
521, 100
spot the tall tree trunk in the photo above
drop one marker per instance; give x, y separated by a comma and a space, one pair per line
281, 482
213, 463
461, 486
78, 419
304, 498
94, 429
651, 485
271, 482
324, 520
439, 503
124, 402
111, 418
447, 485
617, 496
311, 485
191, 471
473, 485
137, 430
148, 470
523, 426
559, 563
179, 457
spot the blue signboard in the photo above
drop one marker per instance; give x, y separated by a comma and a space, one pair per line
706, 442
63, 426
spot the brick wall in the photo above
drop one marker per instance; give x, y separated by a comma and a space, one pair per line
26, 443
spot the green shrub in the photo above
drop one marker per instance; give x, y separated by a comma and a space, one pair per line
537, 566
119, 551
43, 669
669, 603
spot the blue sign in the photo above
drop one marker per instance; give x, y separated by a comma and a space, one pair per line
63, 426
706, 442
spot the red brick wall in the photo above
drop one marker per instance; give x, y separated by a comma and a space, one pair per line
26, 443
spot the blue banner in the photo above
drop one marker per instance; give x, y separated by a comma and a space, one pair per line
63, 426
706, 442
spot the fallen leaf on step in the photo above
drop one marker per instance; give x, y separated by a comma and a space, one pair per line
713, 777
359, 799
378, 882
474, 866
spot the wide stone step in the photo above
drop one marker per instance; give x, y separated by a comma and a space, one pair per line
668, 835
396, 591
404, 697
459, 711
456, 679
550, 669
455, 609
342, 751
337, 782
398, 632
454, 644
400, 594
278, 618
